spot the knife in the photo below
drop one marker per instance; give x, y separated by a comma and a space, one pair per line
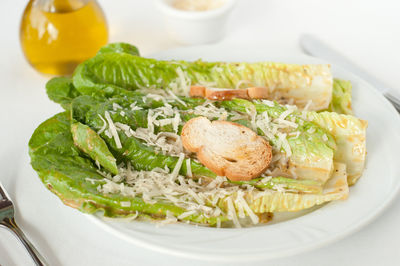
317, 48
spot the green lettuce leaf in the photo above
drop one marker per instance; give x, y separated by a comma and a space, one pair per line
312, 156
119, 47
272, 201
341, 97
88, 110
62, 91
111, 71
350, 136
74, 178
87, 140
312, 151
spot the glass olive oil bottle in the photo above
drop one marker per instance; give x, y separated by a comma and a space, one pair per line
57, 35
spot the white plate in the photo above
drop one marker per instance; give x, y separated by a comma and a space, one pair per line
377, 187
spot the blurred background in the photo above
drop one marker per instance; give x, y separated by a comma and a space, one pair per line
366, 31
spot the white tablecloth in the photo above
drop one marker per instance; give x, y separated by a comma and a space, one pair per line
368, 32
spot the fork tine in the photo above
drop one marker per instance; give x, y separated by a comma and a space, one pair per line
7, 220
3, 193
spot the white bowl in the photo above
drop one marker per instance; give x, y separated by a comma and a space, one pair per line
195, 27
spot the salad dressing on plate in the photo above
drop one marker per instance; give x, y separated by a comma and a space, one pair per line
57, 35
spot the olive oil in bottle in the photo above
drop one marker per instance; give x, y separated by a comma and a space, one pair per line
57, 35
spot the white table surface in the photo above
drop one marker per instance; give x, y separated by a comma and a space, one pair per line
368, 32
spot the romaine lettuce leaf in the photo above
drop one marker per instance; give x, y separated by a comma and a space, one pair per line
65, 170
272, 201
109, 71
350, 136
119, 47
88, 110
87, 140
341, 97
62, 91
312, 150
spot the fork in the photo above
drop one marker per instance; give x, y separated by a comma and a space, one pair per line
7, 220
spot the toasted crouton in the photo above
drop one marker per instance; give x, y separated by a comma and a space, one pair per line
229, 94
226, 148
225, 94
258, 92
197, 91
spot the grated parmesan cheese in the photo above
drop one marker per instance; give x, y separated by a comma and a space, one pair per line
241, 82
108, 134
186, 214
201, 196
311, 130
156, 185
232, 212
184, 82
104, 125
178, 166
308, 105
134, 107
268, 103
189, 168
242, 202
176, 98
125, 203
116, 106
113, 130
218, 223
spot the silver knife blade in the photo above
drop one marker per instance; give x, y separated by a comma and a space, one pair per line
317, 48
